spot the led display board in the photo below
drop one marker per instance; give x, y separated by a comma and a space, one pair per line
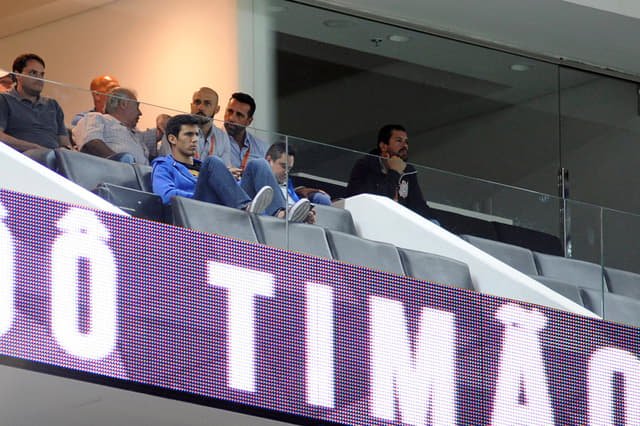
236, 323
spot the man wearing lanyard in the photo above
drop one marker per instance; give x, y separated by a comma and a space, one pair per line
237, 116
212, 140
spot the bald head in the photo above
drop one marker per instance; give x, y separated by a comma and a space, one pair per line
104, 83
100, 85
205, 102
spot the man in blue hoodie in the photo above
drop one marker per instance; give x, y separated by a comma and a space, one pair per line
180, 174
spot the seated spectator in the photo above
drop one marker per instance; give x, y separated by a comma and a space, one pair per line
6, 80
389, 174
113, 134
100, 86
243, 145
180, 174
276, 156
30, 123
211, 139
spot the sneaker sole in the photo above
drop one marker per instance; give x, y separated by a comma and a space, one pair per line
299, 211
262, 200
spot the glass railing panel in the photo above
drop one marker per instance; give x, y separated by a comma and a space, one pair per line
620, 254
599, 132
574, 224
467, 109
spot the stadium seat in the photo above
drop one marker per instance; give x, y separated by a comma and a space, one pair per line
435, 268
359, 251
212, 218
517, 257
567, 290
623, 282
577, 272
89, 171
303, 238
334, 218
140, 204
617, 308
144, 176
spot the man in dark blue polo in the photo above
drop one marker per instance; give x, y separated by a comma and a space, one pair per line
31, 123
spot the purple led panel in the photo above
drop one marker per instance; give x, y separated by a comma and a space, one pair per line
233, 321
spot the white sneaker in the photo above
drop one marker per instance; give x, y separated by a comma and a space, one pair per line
261, 201
299, 211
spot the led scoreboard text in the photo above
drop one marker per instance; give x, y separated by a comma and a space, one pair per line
243, 323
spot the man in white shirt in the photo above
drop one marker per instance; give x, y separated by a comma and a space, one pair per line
107, 135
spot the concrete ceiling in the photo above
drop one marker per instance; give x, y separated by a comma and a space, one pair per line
563, 31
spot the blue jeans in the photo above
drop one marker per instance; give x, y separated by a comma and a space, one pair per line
320, 199
217, 185
257, 173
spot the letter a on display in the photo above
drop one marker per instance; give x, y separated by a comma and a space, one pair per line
521, 368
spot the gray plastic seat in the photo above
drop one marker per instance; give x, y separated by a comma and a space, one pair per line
623, 282
303, 238
140, 204
436, 269
359, 251
617, 308
517, 257
334, 218
577, 272
144, 176
212, 218
567, 290
89, 171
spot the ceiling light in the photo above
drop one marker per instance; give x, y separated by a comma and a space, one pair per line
399, 38
519, 67
338, 23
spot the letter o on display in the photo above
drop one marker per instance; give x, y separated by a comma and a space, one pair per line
83, 236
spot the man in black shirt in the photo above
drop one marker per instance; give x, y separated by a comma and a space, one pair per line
386, 172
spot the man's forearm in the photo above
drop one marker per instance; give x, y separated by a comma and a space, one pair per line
17, 144
98, 148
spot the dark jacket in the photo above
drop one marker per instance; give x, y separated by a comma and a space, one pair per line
367, 177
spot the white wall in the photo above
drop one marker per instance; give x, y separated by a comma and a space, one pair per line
163, 49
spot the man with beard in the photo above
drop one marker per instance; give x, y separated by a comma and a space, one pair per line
244, 145
30, 123
385, 171
114, 133
211, 139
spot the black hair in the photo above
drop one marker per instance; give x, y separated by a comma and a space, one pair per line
176, 122
385, 132
245, 99
21, 61
276, 150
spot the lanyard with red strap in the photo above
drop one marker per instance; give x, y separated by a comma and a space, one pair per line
246, 158
213, 143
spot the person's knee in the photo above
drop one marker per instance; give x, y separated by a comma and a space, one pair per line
213, 163
320, 198
257, 165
